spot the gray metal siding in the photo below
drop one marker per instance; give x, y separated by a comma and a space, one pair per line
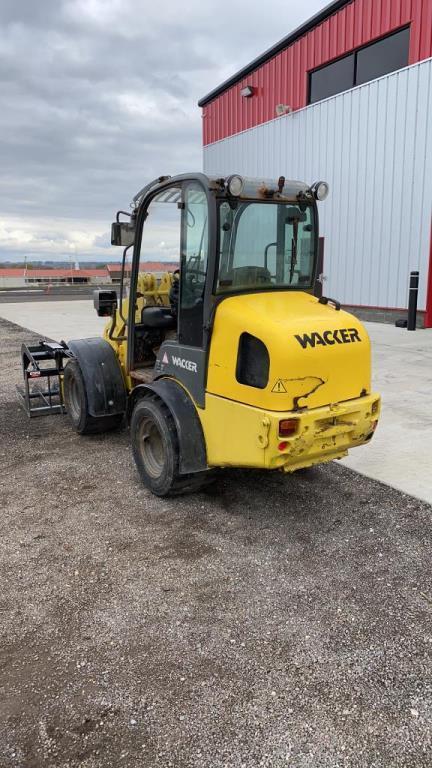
373, 144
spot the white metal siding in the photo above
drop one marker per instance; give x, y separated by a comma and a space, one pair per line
12, 282
373, 144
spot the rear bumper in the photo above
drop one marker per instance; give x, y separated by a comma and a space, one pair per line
323, 434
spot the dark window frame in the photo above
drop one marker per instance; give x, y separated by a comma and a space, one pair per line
354, 52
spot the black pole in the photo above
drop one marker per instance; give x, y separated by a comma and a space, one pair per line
413, 297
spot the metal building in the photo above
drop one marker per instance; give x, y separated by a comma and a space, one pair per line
347, 98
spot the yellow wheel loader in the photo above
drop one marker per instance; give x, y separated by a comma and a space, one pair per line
231, 361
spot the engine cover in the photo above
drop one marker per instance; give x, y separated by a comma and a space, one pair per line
317, 355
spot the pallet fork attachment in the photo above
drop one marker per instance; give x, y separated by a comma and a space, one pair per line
42, 366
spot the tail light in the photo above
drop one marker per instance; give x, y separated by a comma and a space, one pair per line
288, 427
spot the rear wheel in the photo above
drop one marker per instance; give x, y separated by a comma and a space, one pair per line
76, 403
156, 452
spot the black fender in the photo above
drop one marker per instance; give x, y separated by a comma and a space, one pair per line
193, 455
103, 379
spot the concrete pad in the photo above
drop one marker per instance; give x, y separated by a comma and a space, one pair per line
58, 320
401, 451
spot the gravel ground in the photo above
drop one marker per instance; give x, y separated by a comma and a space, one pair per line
274, 621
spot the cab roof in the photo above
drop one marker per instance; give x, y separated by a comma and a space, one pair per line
247, 188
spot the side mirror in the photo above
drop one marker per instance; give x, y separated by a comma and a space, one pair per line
122, 233
105, 302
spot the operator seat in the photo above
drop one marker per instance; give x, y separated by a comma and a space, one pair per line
158, 317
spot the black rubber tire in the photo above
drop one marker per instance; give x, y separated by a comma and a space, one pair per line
75, 398
156, 451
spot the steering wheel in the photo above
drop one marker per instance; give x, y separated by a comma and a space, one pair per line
195, 272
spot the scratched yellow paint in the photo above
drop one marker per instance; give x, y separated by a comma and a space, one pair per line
240, 435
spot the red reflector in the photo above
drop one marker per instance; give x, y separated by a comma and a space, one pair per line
288, 427
283, 446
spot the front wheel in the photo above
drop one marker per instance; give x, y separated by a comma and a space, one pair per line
156, 451
75, 398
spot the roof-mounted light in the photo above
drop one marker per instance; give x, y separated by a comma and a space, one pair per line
320, 190
234, 185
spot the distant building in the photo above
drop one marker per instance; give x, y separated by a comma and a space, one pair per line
65, 276
156, 267
20, 277
12, 277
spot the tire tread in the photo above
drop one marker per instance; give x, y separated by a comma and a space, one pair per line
181, 484
88, 425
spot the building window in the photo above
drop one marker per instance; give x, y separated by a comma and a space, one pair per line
374, 60
334, 78
385, 56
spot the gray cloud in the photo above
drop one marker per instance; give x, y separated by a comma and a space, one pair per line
98, 96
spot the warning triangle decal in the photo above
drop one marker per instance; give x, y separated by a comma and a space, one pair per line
279, 387
165, 358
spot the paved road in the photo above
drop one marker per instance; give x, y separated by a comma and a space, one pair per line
274, 621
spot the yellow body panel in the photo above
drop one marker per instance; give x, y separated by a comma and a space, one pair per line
313, 376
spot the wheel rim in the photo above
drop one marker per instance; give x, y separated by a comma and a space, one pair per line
74, 399
151, 447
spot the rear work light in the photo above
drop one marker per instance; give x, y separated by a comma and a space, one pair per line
288, 427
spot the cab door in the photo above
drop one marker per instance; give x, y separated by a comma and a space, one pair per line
157, 243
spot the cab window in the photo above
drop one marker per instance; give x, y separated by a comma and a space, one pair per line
265, 246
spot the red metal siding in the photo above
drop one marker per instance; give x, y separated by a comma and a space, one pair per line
284, 78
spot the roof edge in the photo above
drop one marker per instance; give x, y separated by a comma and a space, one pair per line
319, 17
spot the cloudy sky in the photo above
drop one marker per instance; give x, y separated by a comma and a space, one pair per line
98, 96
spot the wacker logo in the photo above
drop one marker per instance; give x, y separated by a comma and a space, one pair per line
329, 338
180, 362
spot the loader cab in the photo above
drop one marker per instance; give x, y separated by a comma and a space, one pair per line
229, 236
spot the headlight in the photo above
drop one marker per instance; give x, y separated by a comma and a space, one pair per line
234, 185
321, 190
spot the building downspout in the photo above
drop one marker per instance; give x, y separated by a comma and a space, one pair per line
428, 316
